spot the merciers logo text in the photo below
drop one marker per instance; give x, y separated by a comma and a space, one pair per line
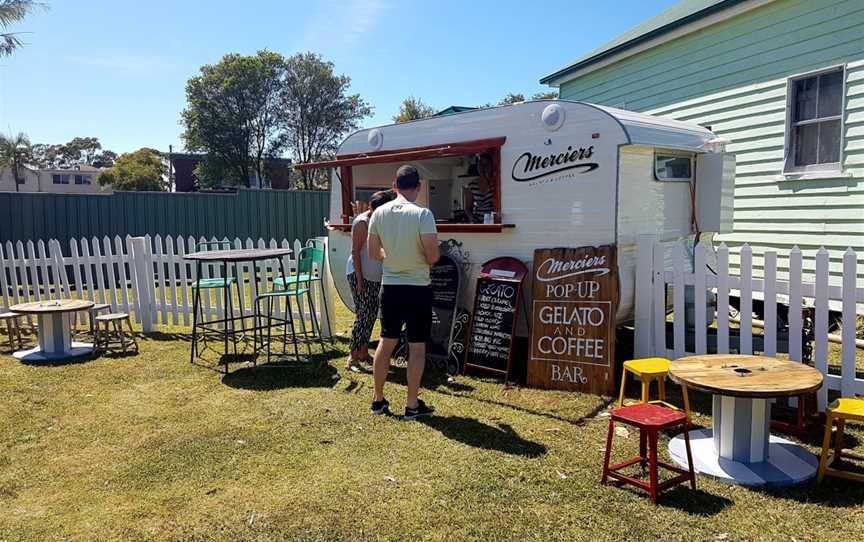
537, 168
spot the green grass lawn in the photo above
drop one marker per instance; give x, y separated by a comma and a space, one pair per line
153, 448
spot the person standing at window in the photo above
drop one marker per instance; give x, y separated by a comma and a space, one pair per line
364, 277
404, 237
480, 193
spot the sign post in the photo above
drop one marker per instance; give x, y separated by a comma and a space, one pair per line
497, 300
573, 319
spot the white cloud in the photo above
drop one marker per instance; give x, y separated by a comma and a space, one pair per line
342, 23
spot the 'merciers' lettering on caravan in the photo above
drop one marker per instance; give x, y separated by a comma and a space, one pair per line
553, 269
530, 166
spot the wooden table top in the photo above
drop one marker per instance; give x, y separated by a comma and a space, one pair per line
238, 255
745, 376
52, 305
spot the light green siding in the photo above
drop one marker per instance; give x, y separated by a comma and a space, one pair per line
732, 77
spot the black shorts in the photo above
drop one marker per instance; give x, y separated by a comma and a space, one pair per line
409, 306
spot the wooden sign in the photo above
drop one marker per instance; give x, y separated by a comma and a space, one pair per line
573, 319
496, 310
446, 280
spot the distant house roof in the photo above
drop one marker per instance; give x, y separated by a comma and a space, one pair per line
679, 15
454, 109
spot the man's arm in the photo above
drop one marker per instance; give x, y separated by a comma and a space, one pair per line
430, 247
376, 250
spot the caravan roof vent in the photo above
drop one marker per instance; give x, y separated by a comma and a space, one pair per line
553, 117
375, 139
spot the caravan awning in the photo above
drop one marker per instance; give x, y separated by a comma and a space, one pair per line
402, 155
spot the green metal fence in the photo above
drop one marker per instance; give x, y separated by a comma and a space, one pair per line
267, 214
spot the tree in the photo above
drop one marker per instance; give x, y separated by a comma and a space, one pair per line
142, 170
78, 152
413, 109
13, 11
233, 114
512, 99
15, 153
317, 112
545, 96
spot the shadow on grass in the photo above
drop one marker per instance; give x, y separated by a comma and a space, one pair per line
694, 502
486, 437
77, 360
283, 375
832, 492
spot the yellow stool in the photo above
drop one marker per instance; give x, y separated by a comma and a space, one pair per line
649, 370
840, 411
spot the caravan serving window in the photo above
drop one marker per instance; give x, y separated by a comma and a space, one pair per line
815, 121
672, 166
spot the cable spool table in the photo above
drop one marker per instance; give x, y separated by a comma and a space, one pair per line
739, 447
55, 330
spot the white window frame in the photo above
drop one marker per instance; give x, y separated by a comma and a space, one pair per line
682, 154
57, 178
813, 171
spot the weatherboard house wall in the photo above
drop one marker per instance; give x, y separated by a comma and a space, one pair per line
727, 64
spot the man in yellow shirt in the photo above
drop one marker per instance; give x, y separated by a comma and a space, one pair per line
403, 235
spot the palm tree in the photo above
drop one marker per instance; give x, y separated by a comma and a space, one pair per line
13, 11
15, 152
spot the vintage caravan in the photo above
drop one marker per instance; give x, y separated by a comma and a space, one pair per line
565, 174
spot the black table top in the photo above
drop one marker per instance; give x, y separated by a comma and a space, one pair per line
238, 255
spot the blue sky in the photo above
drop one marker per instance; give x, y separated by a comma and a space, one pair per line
117, 70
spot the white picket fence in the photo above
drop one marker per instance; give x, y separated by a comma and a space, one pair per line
654, 280
143, 276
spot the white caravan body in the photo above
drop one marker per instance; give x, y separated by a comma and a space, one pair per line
607, 193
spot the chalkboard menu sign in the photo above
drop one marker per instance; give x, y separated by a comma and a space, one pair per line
573, 319
496, 308
446, 280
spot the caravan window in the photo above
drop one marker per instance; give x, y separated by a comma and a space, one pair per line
670, 166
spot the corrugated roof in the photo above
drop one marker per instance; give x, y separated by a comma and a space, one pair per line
680, 14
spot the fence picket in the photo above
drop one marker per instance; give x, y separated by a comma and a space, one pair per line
100, 283
76, 268
33, 282
254, 277
121, 273
723, 299
88, 269
850, 272
821, 324
56, 252
796, 323
770, 303
159, 276
47, 283
171, 259
678, 302
659, 303
184, 278
4, 285
700, 310
746, 300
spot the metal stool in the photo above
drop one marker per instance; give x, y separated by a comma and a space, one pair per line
649, 370
650, 419
839, 411
15, 340
106, 338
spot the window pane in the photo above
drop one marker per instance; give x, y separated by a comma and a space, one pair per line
55, 179
829, 141
830, 94
87, 179
670, 166
805, 99
806, 144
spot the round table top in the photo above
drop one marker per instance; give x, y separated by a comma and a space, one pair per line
239, 255
745, 376
52, 305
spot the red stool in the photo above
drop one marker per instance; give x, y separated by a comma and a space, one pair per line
650, 419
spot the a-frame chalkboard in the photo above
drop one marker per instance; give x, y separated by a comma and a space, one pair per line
497, 300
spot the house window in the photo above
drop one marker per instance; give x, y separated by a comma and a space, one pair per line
82, 179
670, 166
815, 124
60, 179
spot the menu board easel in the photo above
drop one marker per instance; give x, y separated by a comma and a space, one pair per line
497, 299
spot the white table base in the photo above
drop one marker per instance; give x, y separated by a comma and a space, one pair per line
740, 449
55, 341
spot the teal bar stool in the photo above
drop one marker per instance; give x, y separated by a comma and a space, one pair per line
299, 285
214, 283
310, 257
